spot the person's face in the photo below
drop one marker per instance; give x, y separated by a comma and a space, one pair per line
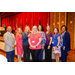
39, 28
9, 29
55, 31
27, 29
48, 28
63, 29
19, 31
34, 30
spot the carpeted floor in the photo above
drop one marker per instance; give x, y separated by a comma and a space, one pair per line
70, 57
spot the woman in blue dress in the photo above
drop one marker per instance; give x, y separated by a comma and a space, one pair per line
40, 30
56, 44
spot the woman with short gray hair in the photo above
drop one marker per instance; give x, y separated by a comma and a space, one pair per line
34, 40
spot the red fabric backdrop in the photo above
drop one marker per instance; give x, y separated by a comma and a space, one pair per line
16, 19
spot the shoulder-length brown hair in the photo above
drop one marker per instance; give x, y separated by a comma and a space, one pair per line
57, 30
25, 29
49, 29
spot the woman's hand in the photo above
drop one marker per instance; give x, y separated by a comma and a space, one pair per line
28, 34
21, 47
13, 46
63, 47
55, 48
33, 46
49, 47
42, 47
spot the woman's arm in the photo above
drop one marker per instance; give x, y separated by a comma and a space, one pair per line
24, 36
30, 43
43, 39
50, 42
67, 39
58, 41
7, 41
40, 39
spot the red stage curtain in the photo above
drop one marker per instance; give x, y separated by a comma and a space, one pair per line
24, 19
7, 14
11, 21
40, 17
16, 19
49, 18
35, 20
45, 19
31, 21
8, 22
14, 22
4, 21
20, 19
28, 19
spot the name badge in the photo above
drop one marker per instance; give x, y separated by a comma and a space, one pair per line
52, 42
33, 41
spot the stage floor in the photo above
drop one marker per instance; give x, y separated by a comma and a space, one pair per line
1, 38
70, 57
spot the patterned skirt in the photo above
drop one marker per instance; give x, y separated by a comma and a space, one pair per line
57, 51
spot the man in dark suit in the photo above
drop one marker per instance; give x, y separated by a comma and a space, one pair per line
65, 43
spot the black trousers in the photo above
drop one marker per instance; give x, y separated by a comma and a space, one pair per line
63, 55
35, 54
48, 53
26, 54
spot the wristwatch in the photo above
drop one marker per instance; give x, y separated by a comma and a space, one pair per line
36, 46
57, 46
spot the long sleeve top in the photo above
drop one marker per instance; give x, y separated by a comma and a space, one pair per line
43, 39
25, 38
66, 41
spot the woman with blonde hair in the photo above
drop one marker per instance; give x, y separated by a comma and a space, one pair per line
19, 43
26, 54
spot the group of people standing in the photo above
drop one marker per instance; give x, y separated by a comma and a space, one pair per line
36, 42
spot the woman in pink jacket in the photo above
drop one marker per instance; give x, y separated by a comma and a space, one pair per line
19, 45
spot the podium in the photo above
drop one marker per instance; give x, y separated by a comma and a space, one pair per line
2, 31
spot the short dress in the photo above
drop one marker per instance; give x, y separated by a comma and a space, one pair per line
54, 42
19, 44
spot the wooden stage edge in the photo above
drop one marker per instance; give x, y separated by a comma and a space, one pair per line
53, 60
